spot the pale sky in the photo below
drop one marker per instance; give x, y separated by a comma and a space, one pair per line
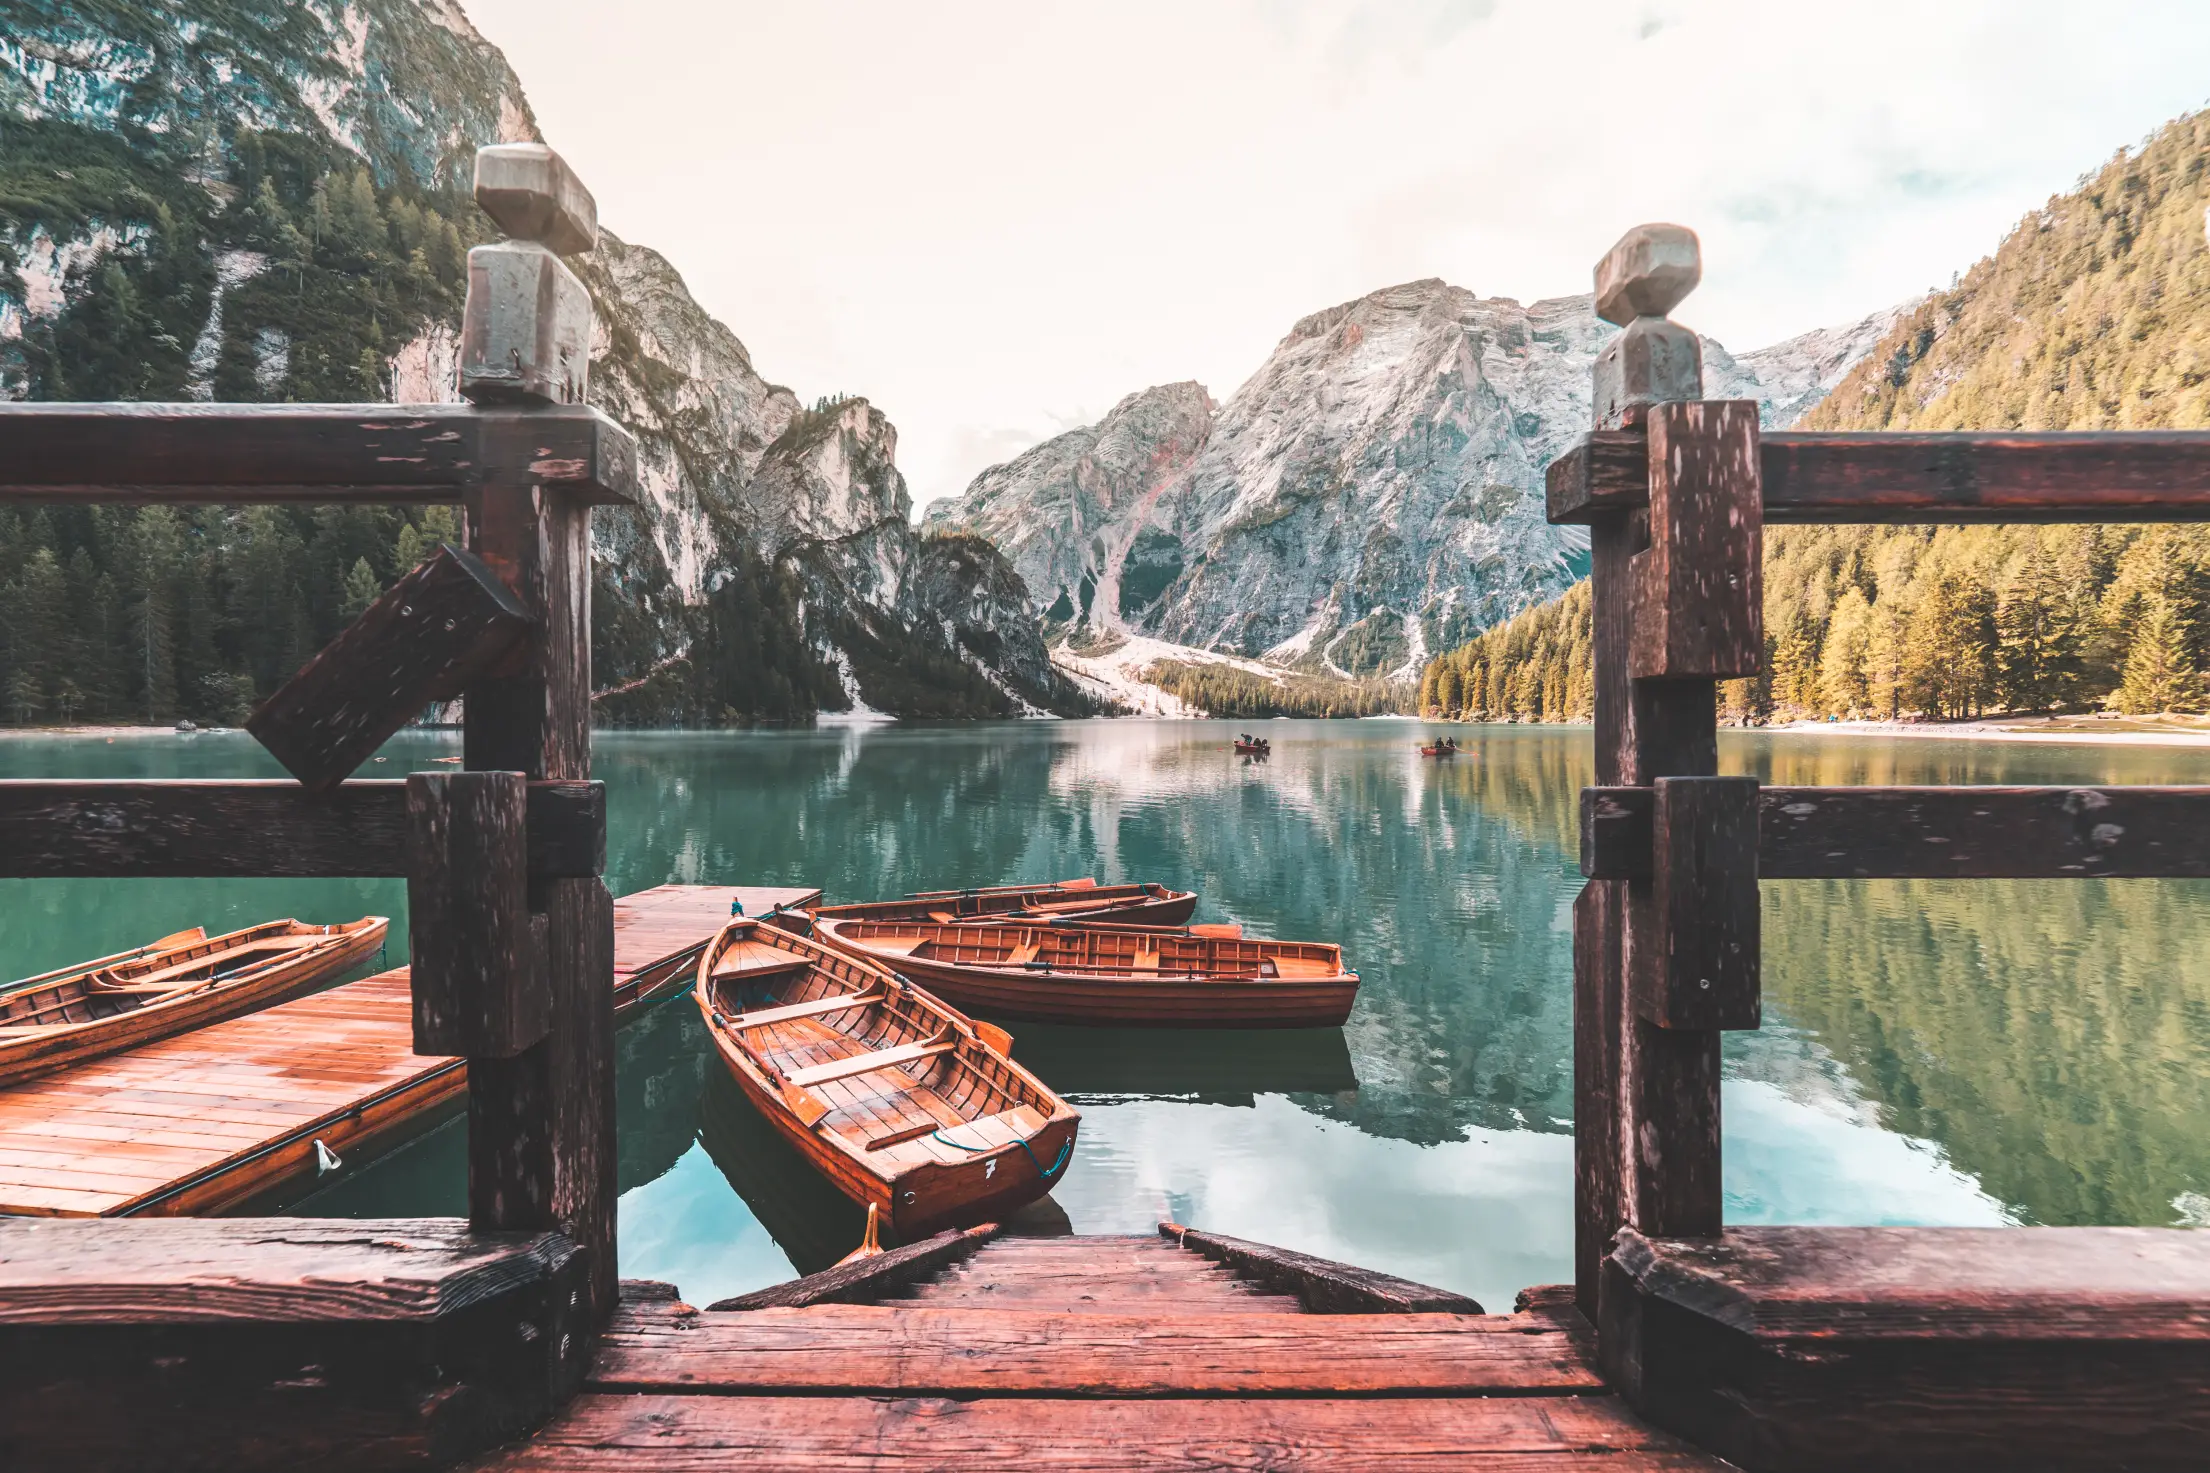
996, 217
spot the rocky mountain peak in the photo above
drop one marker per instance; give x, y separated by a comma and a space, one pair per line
1371, 494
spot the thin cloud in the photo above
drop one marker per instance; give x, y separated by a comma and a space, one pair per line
975, 212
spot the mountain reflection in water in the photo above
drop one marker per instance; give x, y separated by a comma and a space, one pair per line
1938, 1052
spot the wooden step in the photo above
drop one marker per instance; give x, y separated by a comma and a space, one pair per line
635, 1433
924, 1350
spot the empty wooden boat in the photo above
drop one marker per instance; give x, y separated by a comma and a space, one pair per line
903, 1103
177, 983
1135, 975
1072, 900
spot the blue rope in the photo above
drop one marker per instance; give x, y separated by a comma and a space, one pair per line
1065, 1147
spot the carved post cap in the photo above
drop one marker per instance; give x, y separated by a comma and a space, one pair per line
1649, 273
533, 195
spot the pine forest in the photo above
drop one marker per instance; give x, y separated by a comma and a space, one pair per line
2094, 314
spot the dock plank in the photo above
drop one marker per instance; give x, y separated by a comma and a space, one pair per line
601, 1431
922, 1350
220, 1115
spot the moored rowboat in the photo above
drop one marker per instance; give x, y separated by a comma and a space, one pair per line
1068, 900
178, 983
903, 1103
1132, 975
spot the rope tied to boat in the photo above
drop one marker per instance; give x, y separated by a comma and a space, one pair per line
1066, 1148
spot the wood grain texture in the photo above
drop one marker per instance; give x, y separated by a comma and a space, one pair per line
1322, 1285
230, 1113
278, 1343
422, 641
1984, 832
1967, 832
144, 828
620, 1431
1658, 1159
533, 713
1698, 588
257, 1269
1936, 1283
863, 1281
1897, 478
919, 1350
317, 453
479, 964
1599, 1011
1701, 911
1921, 1349
579, 921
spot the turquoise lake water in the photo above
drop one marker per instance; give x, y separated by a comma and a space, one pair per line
1999, 1052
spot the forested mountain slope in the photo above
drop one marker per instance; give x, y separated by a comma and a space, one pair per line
2094, 313
254, 200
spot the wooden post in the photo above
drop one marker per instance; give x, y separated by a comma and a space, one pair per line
541, 1124
1646, 1096
478, 969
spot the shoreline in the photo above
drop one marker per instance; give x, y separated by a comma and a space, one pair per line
2045, 730
2017, 729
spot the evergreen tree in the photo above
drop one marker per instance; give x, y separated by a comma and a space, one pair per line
2160, 674
1842, 684
361, 590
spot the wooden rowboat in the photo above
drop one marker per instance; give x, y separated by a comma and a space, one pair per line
1254, 749
1439, 751
1132, 975
904, 1104
1072, 900
167, 987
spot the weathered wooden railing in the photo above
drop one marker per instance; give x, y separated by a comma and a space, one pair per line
388, 1341
1834, 1348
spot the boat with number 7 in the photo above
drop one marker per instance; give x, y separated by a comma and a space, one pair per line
903, 1103
169, 986
1197, 977
1070, 900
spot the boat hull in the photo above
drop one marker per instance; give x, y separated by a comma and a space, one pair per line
922, 1200
1071, 997
913, 1199
28, 1056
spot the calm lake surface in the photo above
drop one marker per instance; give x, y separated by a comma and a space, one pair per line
1998, 1052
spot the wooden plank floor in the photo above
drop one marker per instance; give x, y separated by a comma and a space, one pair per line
1103, 1353
218, 1116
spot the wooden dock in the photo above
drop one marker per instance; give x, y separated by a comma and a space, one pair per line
229, 1114
1097, 1353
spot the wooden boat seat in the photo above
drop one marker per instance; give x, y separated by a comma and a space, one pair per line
762, 1017
868, 1063
1023, 954
1301, 966
899, 946
1147, 961
943, 917
226, 957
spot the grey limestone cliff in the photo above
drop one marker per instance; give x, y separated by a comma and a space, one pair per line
1370, 496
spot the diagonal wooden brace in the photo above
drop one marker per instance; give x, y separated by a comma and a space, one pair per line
1695, 963
423, 641
1698, 588
479, 968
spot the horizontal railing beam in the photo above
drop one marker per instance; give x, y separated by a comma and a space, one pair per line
317, 453
259, 829
1811, 477
1933, 833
